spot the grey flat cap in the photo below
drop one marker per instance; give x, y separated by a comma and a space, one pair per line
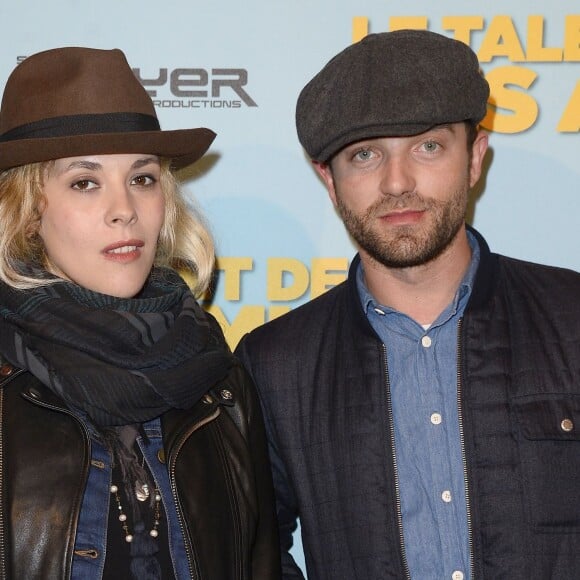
388, 85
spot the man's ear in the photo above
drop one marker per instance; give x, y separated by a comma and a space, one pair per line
325, 172
478, 151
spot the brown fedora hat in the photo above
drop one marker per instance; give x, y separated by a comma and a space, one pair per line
76, 101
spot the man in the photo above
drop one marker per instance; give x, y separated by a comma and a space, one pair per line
423, 416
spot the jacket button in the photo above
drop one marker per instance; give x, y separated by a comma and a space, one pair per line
567, 425
207, 399
6, 370
161, 456
226, 394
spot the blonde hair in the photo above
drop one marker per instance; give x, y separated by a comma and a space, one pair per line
184, 241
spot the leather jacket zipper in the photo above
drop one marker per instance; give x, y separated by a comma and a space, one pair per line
395, 470
462, 443
189, 548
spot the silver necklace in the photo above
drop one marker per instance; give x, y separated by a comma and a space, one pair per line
142, 493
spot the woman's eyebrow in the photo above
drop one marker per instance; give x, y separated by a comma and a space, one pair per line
82, 164
145, 161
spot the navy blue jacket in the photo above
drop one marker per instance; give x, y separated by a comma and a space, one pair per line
323, 385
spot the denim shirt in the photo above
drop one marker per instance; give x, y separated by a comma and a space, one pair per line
91, 536
422, 367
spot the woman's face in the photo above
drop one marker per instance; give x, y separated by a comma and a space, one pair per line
101, 220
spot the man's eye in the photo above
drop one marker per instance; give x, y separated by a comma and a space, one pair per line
430, 146
363, 155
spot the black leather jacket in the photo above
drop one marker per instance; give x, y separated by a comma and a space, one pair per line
217, 461
320, 371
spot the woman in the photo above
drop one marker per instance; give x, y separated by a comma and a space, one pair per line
131, 445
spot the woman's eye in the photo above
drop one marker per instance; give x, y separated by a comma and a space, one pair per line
143, 180
84, 185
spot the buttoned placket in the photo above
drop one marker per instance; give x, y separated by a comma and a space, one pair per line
91, 536
431, 411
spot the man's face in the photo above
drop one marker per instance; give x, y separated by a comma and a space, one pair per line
403, 199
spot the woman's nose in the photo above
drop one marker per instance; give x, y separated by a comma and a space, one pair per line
122, 208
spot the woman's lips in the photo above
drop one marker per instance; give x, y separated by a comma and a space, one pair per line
124, 251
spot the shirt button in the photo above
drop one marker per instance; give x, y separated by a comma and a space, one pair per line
567, 425
446, 496
436, 418
457, 575
426, 341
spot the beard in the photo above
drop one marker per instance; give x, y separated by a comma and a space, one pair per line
406, 246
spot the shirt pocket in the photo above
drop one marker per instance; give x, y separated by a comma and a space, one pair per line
549, 443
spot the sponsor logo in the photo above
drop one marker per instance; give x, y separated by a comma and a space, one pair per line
197, 88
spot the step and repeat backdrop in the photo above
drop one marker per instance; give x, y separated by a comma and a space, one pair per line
237, 67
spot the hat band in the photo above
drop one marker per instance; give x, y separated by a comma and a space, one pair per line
70, 125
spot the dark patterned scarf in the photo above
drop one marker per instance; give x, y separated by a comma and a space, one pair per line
122, 361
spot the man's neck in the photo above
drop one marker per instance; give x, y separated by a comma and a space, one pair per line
421, 292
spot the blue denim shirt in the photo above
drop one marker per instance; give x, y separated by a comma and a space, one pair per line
91, 536
422, 366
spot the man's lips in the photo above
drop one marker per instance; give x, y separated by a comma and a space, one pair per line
407, 216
